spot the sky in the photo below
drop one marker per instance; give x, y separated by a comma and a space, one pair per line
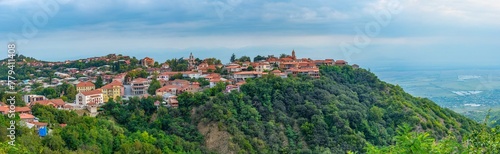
372, 33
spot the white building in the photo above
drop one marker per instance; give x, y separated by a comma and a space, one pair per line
33, 98
92, 97
140, 86
241, 76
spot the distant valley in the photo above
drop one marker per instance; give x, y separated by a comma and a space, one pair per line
471, 92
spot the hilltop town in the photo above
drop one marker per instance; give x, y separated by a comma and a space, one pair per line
84, 85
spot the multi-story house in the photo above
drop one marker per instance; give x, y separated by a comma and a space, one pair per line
233, 68
56, 103
112, 90
262, 66
85, 86
139, 86
33, 98
92, 97
340, 63
241, 76
147, 62
312, 72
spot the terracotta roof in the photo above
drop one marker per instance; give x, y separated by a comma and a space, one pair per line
93, 92
233, 66
63, 125
212, 67
26, 116
85, 84
215, 80
248, 72
4, 109
286, 59
58, 102
112, 84
168, 87
213, 75
39, 123
240, 83
67, 106
304, 69
276, 71
340, 62
139, 80
23, 109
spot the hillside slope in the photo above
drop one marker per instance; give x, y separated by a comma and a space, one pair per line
340, 112
345, 110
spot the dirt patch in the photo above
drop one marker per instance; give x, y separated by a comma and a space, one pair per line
215, 139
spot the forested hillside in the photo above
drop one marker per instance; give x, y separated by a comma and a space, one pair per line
345, 110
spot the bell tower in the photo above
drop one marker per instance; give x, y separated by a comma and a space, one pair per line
293, 55
191, 60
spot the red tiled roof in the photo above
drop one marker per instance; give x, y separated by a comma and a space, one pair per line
26, 116
58, 102
303, 69
22, 109
215, 80
248, 72
93, 92
67, 106
286, 59
240, 83
233, 66
4, 109
140, 80
340, 62
112, 84
168, 87
85, 84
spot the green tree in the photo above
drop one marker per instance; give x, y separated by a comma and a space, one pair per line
259, 58
54, 142
71, 92
176, 76
98, 83
155, 84
244, 59
250, 68
233, 58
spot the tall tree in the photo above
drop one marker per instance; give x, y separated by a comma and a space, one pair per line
98, 83
233, 58
244, 59
259, 58
71, 92
155, 84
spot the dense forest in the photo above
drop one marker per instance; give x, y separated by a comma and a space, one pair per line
347, 110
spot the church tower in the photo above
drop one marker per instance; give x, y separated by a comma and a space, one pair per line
293, 55
191, 60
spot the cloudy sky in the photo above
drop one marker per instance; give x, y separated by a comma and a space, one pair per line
373, 33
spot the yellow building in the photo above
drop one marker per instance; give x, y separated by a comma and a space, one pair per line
112, 90
85, 86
